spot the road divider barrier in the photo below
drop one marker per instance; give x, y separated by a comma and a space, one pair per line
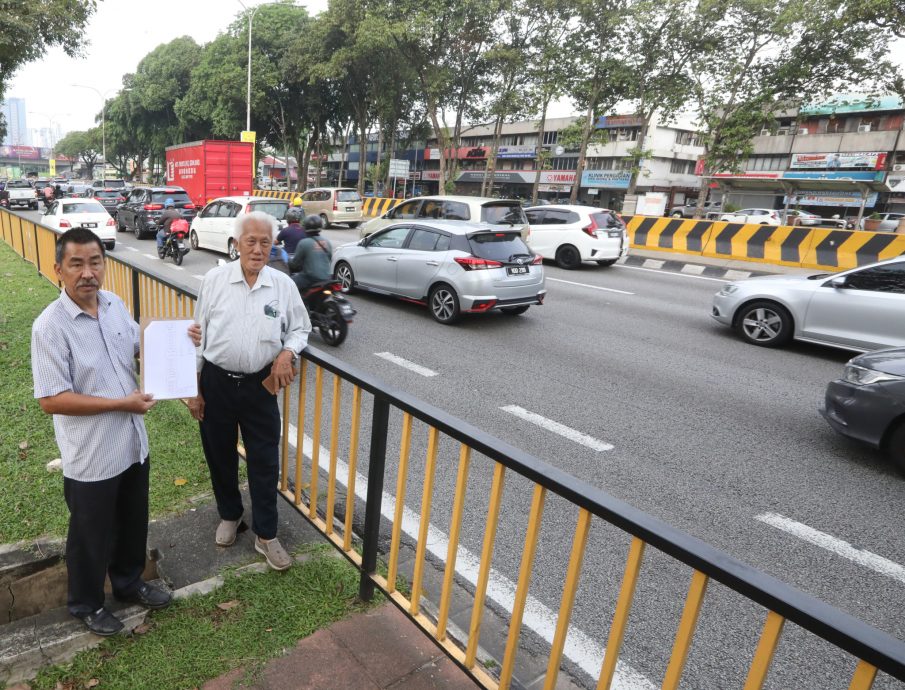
784, 245
466, 479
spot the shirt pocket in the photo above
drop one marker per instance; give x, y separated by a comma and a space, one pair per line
271, 330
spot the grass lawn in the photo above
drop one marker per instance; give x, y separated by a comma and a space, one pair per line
249, 620
31, 498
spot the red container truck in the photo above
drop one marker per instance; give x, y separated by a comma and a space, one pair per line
211, 168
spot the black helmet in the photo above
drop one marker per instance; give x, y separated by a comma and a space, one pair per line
294, 215
312, 222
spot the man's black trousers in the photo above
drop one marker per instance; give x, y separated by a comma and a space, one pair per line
108, 535
231, 404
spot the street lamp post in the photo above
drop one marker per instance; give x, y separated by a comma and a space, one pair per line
103, 97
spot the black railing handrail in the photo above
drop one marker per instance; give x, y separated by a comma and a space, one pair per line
834, 625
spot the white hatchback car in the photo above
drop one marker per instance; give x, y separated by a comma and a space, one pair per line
757, 216
473, 209
213, 227
70, 212
571, 234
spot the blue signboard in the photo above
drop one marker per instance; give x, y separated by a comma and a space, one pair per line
860, 176
608, 179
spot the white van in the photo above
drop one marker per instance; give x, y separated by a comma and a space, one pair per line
334, 205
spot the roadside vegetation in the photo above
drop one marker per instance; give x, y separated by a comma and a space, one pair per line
31, 498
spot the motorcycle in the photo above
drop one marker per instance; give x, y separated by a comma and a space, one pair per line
329, 310
174, 245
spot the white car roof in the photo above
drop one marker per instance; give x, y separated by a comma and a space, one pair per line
242, 199
569, 207
453, 227
461, 198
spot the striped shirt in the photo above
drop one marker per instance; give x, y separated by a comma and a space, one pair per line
243, 329
74, 351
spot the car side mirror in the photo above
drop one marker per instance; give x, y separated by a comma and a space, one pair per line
838, 282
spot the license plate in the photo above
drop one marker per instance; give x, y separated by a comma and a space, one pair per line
181, 245
89, 225
350, 209
516, 270
615, 233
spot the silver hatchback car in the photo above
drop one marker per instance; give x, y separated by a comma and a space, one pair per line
860, 309
453, 267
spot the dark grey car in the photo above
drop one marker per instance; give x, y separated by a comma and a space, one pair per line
868, 402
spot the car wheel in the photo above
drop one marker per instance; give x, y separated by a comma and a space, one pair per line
345, 276
443, 304
138, 231
120, 227
325, 220
515, 311
352, 226
232, 250
193, 240
606, 262
677, 214
895, 446
764, 323
568, 257
109, 246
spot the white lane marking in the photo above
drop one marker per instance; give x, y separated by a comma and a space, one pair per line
653, 263
131, 249
669, 273
593, 287
737, 275
878, 564
580, 648
151, 256
199, 277
693, 269
557, 428
177, 268
411, 366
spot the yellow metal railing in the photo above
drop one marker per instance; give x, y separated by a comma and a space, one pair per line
329, 397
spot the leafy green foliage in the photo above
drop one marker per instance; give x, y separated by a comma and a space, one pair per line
84, 145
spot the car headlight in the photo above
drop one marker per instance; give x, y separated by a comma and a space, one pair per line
862, 376
728, 289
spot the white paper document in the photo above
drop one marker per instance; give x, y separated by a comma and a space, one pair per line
168, 360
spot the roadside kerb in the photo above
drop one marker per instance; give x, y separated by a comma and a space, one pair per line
874, 648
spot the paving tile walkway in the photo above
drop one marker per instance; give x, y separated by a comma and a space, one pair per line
380, 649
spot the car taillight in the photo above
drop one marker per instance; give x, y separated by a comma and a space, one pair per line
336, 287
65, 223
120, 198
189, 206
473, 263
537, 260
335, 205
153, 207
110, 221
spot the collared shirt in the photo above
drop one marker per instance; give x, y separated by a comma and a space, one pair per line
74, 351
243, 329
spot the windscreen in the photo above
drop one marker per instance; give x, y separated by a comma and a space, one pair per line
90, 207
18, 184
118, 184
498, 246
607, 220
276, 209
177, 197
497, 214
347, 195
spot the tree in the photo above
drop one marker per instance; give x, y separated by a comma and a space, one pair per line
83, 145
28, 29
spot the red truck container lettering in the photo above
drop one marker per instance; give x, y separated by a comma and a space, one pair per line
211, 168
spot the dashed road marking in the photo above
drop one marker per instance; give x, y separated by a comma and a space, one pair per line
580, 648
557, 428
199, 277
177, 268
653, 263
406, 364
693, 269
878, 564
151, 256
593, 287
131, 249
669, 273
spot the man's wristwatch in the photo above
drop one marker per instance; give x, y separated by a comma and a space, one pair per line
295, 357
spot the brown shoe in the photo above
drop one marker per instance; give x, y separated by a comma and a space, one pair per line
273, 551
226, 531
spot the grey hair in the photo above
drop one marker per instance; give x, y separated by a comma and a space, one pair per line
246, 220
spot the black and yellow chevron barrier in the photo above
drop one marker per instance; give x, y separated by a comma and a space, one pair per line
371, 206
784, 245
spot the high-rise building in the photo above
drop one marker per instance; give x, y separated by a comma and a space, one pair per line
17, 133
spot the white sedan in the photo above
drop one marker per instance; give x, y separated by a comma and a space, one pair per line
213, 227
70, 212
757, 216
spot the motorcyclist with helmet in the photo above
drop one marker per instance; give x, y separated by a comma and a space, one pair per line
313, 255
293, 233
166, 219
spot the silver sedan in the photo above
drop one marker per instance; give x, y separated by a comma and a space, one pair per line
860, 309
451, 266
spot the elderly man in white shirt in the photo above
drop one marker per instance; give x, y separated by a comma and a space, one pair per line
253, 324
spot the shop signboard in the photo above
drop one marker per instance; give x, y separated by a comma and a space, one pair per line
864, 160
858, 176
515, 152
607, 179
846, 199
560, 188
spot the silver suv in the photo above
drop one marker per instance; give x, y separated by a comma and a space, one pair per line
452, 267
474, 209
